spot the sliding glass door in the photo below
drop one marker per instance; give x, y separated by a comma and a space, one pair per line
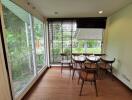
18, 39
24, 39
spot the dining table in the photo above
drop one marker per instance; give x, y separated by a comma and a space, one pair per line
93, 57
86, 59
79, 58
107, 58
82, 59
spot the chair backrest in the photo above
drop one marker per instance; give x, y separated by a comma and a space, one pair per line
89, 69
92, 63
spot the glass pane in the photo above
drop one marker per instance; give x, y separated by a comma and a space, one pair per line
64, 39
94, 46
86, 46
39, 43
87, 40
55, 34
18, 37
67, 32
60, 34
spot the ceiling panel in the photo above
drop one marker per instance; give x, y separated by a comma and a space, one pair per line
78, 8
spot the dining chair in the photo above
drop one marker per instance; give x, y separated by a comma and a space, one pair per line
88, 73
106, 65
66, 61
78, 63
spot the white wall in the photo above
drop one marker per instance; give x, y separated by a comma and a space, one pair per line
118, 43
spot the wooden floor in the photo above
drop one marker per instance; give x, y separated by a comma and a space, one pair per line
53, 86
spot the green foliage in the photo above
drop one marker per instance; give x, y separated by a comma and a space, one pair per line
56, 51
67, 50
17, 44
37, 30
79, 50
89, 50
40, 59
92, 43
80, 43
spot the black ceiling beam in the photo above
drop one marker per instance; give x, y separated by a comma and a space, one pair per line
84, 22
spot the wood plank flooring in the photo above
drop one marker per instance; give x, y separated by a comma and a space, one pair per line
54, 86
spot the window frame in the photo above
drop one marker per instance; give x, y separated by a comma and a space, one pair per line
23, 91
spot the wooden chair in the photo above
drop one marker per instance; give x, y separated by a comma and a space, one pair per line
106, 65
66, 61
89, 74
77, 63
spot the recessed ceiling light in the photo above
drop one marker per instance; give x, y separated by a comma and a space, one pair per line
55, 12
33, 7
28, 3
100, 12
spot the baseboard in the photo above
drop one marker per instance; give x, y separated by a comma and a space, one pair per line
122, 83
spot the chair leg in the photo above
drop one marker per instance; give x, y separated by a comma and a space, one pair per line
95, 88
70, 69
73, 74
81, 87
61, 68
99, 74
111, 70
78, 79
91, 82
103, 73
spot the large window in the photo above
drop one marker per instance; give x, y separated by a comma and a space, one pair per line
66, 38
18, 39
88, 40
39, 43
60, 34
86, 46
25, 45
55, 42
